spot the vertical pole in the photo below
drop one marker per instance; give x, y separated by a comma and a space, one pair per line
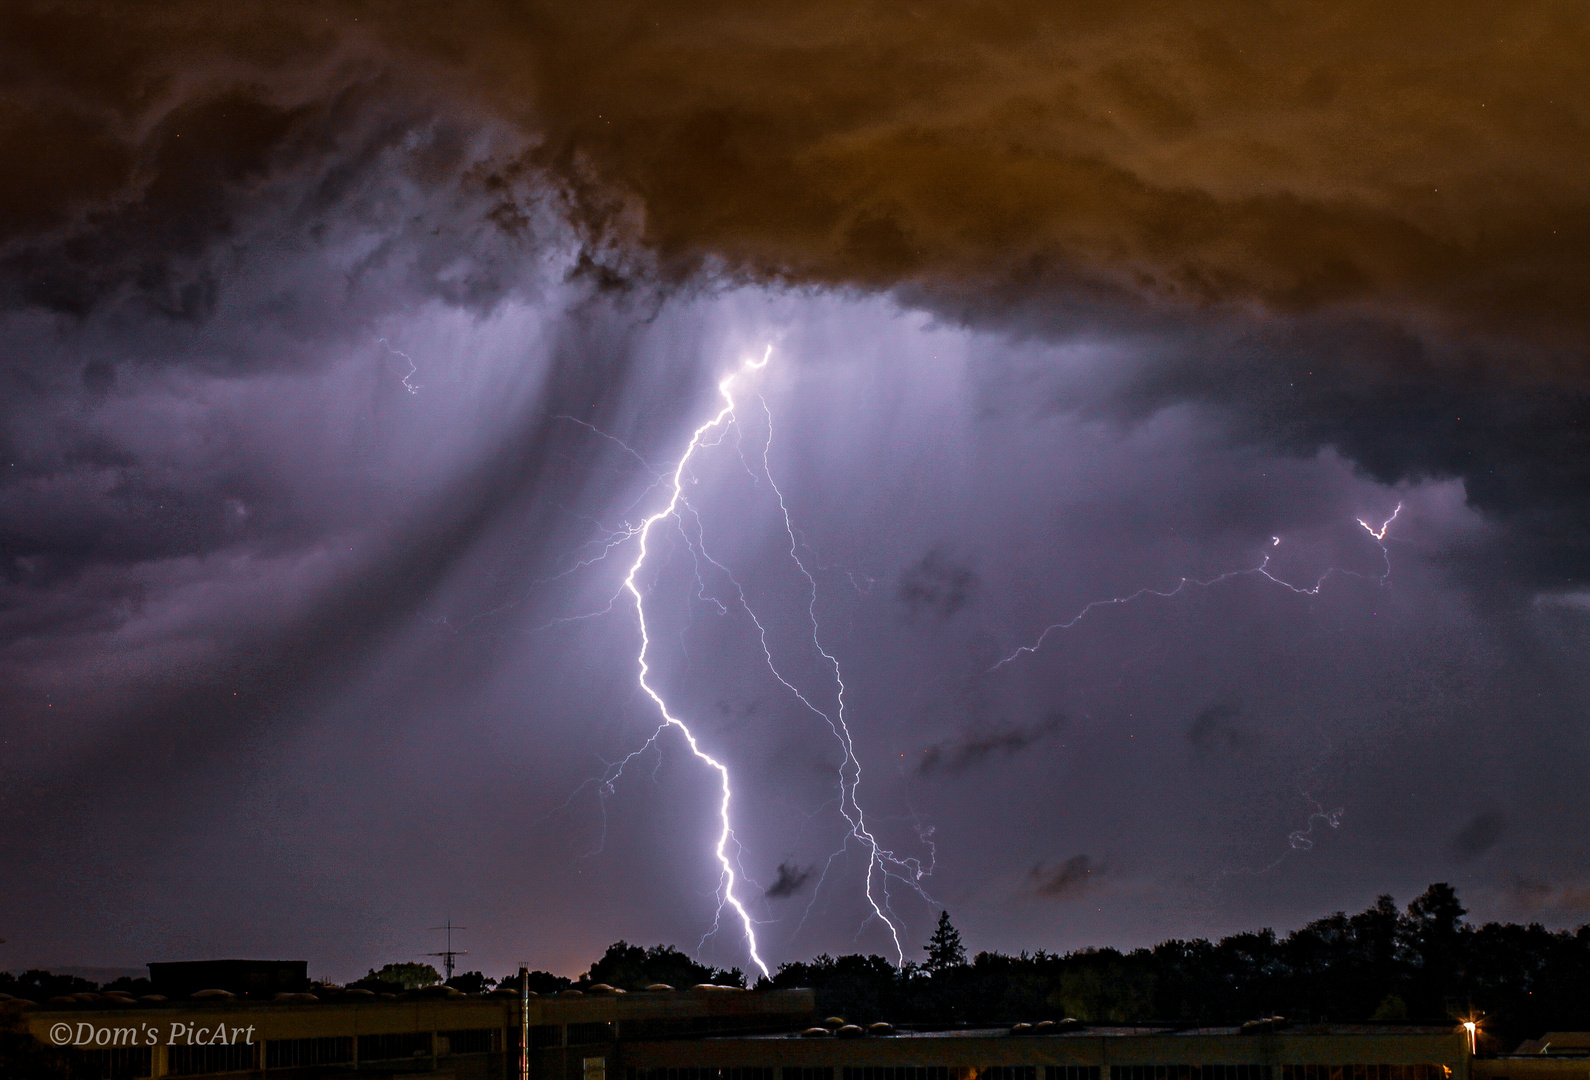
524, 1022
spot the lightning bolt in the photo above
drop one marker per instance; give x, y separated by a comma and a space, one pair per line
728, 878
1380, 533
1261, 570
411, 387
1300, 839
883, 864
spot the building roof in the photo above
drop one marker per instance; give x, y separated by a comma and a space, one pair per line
1567, 1043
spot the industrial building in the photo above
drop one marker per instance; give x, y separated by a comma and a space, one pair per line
715, 1033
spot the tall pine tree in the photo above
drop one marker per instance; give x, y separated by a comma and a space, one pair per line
944, 948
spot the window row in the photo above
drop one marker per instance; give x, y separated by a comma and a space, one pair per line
903, 1072
1365, 1072
1190, 1072
118, 1063
1071, 1072
198, 1060
406, 1044
297, 1053
473, 1041
707, 1073
591, 1034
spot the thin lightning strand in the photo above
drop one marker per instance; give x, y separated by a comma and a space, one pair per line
1262, 570
411, 387
726, 832
878, 858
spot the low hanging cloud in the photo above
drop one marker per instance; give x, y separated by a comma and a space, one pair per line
1535, 894
978, 747
1218, 728
1067, 880
936, 585
791, 880
1482, 833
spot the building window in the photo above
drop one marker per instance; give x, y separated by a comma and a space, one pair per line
590, 1034
198, 1060
800, 1072
473, 1041
1008, 1072
1363, 1072
707, 1073
903, 1072
294, 1053
117, 1063
1196, 1072
542, 1037
403, 1044
1071, 1072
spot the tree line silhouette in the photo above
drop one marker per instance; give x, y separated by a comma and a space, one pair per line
1424, 963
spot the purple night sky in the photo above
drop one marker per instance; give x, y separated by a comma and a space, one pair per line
344, 352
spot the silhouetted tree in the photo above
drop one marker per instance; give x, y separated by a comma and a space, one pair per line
1433, 933
471, 982
127, 984
541, 982
393, 978
631, 967
36, 984
944, 948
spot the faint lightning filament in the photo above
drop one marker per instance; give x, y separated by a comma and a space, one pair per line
1261, 570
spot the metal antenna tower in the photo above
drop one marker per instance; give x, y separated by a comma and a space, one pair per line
450, 952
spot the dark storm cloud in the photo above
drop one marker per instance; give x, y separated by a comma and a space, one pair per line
1480, 835
1067, 880
1532, 894
1342, 224
977, 747
212, 200
791, 880
1308, 156
1401, 407
273, 666
936, 585
226, 195
1216, 728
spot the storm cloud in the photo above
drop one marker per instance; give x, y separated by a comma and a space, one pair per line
936, 585
791, 880
1216, 728
1479, 836
1349, 227
1066, 880
978, 747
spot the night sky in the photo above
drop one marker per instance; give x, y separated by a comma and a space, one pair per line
345, 350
